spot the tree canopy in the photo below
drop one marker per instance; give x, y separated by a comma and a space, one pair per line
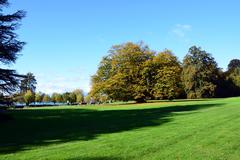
10, 46
29, 97
120, 73
28, 83
200, 73
234, 63
131, 71
134, 72
166, 70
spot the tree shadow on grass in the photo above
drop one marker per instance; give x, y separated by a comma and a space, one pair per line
181, 100
95, 158
37, 127
161, 101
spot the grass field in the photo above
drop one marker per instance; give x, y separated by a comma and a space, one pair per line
206, 129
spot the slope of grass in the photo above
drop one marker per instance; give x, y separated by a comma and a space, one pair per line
206, 129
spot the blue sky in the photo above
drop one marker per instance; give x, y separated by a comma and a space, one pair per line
67, 39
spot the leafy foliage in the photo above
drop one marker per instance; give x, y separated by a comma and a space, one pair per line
133, 72
10, 46
167, 76
59, 98
235, 76
72, 98
79, 95
28, 83
29, 97
200, 73
120, 73
54, 97
38, 97
46, 98
235, 63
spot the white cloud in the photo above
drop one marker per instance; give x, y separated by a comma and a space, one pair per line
50, 83
184, 26
181, 30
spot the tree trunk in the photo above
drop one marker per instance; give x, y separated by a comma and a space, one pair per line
140, 100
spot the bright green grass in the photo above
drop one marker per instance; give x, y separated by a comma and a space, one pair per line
207, 129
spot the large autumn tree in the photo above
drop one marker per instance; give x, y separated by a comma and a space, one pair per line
232, 76
235, 76
10, 46
200, 74
165, 70
134, 72
119, 75
233, 71
233, 64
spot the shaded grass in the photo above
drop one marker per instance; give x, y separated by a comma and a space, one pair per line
124, 132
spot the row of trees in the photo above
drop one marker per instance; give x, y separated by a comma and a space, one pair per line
75, 97
27, 94
134, 72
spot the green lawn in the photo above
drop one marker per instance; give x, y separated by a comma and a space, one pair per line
206, 129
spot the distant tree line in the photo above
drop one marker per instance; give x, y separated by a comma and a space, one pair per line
27, 94
132, 71
74, 97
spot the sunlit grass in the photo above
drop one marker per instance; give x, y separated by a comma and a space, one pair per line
205, 129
